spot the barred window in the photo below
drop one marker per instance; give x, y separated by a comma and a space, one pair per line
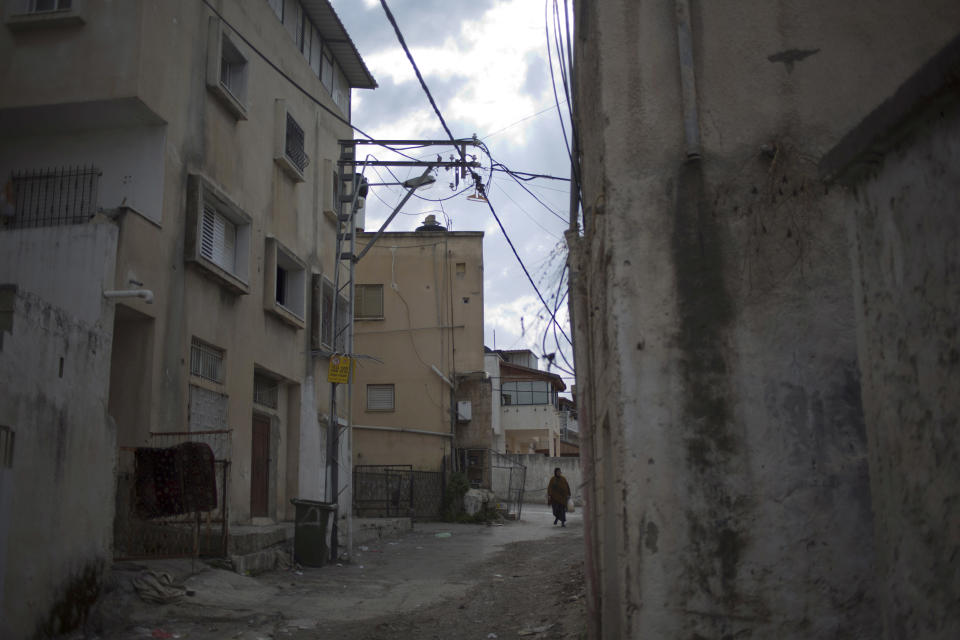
294, 147
265, 391
206, 361
50, 197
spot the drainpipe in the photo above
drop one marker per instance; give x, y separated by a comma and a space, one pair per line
688, 81
145, 294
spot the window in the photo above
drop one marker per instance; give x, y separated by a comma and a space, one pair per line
380, 397
6, 447
36, 6
290, 151
285, 286
206, 361
265, 390
51, 197
218, 235
326, 71
368, 302
528, 392
341, 91
226, 69
316, 50
218, 239
294, 147
28, 14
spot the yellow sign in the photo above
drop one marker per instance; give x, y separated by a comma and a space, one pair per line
339, 371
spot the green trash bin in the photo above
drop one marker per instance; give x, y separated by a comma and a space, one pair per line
310, 532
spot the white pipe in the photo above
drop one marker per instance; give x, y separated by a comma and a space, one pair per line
146, 294
442, 377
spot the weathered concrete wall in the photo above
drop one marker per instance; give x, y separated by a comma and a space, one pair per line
540, 470
719, 370
55, 372
905, 234
476, 433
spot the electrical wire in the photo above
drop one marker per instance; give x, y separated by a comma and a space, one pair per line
416, 69
532, 176
532, 194
483, 147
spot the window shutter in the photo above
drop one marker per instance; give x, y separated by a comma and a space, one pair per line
218, 239
207, 232
380, 397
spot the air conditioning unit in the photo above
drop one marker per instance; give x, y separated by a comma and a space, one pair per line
464, 411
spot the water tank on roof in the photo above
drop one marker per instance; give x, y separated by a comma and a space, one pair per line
430, 224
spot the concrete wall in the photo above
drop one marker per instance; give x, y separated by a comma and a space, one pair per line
54, 371
905, 237
432, 317
540, 470
718, 383
477, 432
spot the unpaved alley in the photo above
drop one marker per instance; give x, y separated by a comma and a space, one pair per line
440, 580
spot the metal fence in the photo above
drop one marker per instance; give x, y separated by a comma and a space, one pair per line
384, 491
152, 523
49, 197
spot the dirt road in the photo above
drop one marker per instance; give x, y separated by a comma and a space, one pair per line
520, 580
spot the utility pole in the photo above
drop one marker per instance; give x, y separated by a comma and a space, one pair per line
350, 188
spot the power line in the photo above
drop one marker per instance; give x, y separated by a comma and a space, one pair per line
403, 44
531, 175
513, 124
484, 148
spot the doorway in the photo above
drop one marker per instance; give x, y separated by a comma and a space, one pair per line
260, 468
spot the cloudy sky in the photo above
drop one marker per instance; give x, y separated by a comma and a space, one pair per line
485, 62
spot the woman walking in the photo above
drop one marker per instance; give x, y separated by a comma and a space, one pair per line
558, 492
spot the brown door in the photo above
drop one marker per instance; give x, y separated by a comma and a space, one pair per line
259, 467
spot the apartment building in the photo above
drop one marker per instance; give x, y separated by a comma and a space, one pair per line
167, 231
418, 310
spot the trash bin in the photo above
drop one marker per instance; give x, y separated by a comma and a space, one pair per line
310, 532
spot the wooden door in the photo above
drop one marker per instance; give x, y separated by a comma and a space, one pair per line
259, 468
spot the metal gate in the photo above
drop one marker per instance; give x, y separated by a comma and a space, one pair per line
385, 491
140, 533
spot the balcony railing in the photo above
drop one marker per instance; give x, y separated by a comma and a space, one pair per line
50, 197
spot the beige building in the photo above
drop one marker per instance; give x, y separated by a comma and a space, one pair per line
767, 357
418, 313
180, 156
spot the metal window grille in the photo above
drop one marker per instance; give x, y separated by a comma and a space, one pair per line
6, 447
206, 361
52, 197
265, 391
218, 239
294, 147
368, 302
380, 397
